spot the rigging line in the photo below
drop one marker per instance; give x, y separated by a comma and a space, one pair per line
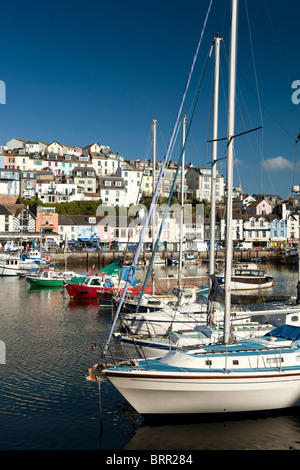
225, 101
281, 55
268, 111
260, 150
294, 169
254, 65
261, 102
209, 118
167, 156
256, 82
173, 185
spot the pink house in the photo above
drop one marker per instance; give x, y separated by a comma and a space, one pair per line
259, 208
104, 232
54, 164
10, 160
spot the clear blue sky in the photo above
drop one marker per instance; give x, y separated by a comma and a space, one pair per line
83, 72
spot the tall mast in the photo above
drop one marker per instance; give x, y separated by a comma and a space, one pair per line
154, 121
230, 150
217, 40
181, 209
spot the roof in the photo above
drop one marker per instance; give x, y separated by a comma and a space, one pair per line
64, 219
4, 210
268, 217
112, 221
255, 203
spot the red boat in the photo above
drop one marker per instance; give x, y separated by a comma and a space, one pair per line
101, 287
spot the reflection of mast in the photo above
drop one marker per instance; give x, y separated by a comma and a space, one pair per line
181, 211
153, 189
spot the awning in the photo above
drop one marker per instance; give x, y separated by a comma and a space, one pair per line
89, 239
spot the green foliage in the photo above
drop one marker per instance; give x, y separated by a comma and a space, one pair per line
70, 208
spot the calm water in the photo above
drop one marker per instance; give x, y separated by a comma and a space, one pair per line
46, 402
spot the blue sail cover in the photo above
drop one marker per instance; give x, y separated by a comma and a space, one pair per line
286, 332
128, 276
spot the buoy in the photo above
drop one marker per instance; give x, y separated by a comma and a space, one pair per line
47, 258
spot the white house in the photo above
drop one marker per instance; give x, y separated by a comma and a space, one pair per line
15, 143
293, 230
85, 177
104, 166
244, 203
112, 191
257, 230
51, 192
198, 181
10, 182
237, 229
32, 147
67, 228
6, 219
91, 150
132, 177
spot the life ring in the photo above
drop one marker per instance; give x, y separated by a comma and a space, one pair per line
47, 258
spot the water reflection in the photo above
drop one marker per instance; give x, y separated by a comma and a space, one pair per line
271, 433
46, 402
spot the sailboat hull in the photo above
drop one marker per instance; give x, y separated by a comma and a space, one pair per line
187, 393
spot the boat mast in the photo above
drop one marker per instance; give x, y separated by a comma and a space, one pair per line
154, 121
230, 150
212, 239
216, 41
181, 211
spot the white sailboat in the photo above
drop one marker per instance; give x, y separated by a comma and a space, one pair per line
245, 376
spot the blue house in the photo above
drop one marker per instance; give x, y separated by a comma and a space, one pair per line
278, 233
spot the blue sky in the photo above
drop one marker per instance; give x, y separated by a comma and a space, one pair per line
83, 72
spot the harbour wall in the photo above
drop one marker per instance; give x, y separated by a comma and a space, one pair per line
86, 260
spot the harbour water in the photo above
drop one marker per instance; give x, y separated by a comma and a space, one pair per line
47, 403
